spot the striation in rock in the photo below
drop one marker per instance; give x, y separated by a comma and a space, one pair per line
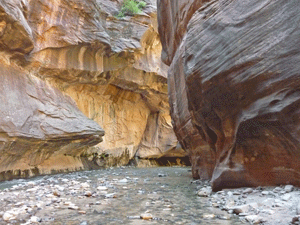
111, 69
234, 88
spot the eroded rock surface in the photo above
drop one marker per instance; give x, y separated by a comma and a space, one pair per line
234, 81
39, 125
109, 66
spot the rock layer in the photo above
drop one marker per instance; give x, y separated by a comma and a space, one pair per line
109, 66
37, 124
234, 80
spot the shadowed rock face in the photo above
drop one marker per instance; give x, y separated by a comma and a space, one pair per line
110, 67
235, 79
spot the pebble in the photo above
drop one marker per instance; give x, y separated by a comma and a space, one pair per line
102, 188
264, 192
248, 191
123, 180
85, 185
295, 219
224, 217
277, 189
205, 192
74, 207
146, 216
289, 188
88, 194
111, 195
8, 216
161, 175
56, 193
134, 217
35, 219
241, 209
84, 223
208, 216
254, 219
286, 197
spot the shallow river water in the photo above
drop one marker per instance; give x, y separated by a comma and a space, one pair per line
112, 196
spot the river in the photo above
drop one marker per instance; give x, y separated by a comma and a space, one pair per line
167, 195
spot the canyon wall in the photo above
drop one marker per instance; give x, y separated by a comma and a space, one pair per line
234, 88
72, 69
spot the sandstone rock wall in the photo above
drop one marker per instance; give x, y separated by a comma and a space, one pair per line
233, 80
111, 69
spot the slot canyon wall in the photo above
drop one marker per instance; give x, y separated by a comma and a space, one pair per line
71, 70
234, 87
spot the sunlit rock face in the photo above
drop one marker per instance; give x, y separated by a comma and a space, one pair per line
234, 87
55, 51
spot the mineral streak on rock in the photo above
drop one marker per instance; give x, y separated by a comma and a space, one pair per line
110, 67
233, 79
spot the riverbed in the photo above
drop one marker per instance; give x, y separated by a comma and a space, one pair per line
129, 195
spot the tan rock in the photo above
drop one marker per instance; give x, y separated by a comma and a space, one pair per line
110, 67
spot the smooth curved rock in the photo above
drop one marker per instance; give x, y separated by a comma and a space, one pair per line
239, 65
39, 125
110, 67
115, 75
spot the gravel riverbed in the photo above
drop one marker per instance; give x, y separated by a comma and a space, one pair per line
128, 195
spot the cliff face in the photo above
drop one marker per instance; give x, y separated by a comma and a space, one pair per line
38, 123
234, 88
109, 67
